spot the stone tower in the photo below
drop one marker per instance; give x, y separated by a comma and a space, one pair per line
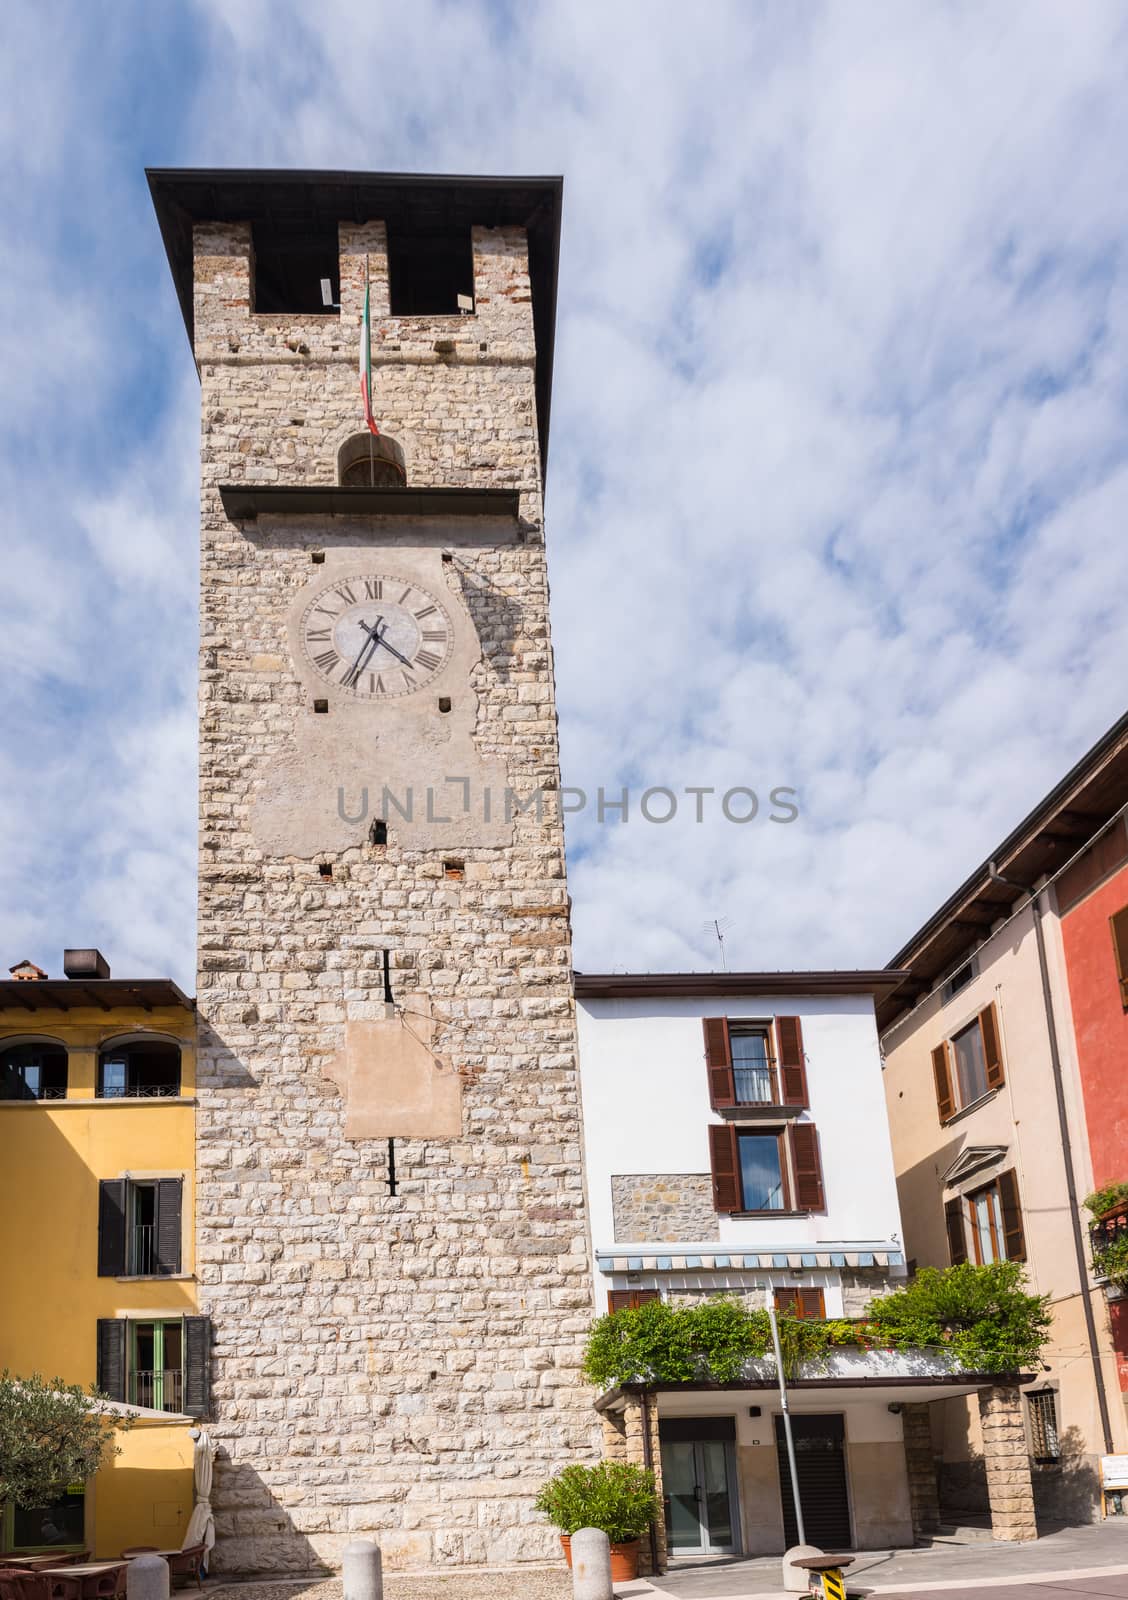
391, 1235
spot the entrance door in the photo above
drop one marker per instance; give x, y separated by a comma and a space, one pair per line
820, 1460
698, 1480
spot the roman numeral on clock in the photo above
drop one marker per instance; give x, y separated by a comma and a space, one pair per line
373, 588
427, 611
435, 635
427, 660
327, 660
318, 636
403, 597
346, 594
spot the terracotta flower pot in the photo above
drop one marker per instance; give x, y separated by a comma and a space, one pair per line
624, 1561
624, 1558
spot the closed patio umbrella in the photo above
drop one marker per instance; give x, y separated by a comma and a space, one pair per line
201, 1524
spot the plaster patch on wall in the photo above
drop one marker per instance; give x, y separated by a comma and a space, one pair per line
392, 1083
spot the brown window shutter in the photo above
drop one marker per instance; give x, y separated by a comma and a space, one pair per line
787, 1301
989, 1028
725, 1163
792, 1070
1014, 1238
629, 1299
806, 1166
812, 1304
957, 1236
718, 1060
1119, 925
942, 1072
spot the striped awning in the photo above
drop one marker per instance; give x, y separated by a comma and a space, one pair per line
727, 1262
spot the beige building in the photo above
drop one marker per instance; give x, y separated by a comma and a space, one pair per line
391, 1233
990, 1138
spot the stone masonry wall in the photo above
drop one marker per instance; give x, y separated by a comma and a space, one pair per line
402, 1367
664, 1207
1007, 1463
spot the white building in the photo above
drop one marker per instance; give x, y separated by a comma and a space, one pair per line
736, 1140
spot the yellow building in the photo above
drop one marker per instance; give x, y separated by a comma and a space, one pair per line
97, 1160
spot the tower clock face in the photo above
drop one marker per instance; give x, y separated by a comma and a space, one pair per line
376, 636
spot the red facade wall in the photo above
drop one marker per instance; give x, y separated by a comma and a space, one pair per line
1100, 1025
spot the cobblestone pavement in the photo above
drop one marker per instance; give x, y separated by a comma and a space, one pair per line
537, 1583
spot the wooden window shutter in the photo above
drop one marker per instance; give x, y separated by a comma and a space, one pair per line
787, 1301
718, 1060
112, 1332
992, 1057
812, 1303
169, 1192
111, 1228
724, 1160
942, 1072
1014, 1237
197, 1366
1119, 925
957, 1236
806, 1166
629, 1299
792, 1069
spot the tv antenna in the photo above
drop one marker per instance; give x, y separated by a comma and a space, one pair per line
718, 927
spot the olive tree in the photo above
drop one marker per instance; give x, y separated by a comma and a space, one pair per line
51, 1433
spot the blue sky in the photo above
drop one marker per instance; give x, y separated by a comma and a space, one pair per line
839, 471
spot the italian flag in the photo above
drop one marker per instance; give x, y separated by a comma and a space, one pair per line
366, 364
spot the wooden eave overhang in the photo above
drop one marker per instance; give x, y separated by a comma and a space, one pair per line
1073, 812
245, 502
700, 985
102, 994
412, 202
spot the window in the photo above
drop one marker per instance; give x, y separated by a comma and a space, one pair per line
146, 1070
368, 461
1119, 926
162, 1363
800, 1302
986, 1214
35, 1071
290, 260
156, 1365
755, 1063
58, 1526
764, 1170
753, 1077
630, 1299
960, 979
991, 1217
428, 271
969, 1065
1041, 1407
139, 1227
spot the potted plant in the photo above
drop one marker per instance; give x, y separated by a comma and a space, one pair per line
619, 1499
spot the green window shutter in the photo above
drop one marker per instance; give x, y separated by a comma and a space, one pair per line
792, 1067
111, 1228
197, 1366
112, 1336
169, 1193
718, 1061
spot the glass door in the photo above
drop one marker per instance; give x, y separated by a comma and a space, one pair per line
698, 1478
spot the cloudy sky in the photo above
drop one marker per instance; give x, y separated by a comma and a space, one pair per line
839, 468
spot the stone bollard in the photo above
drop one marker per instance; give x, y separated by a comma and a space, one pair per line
591, 1565
361, 1570
146, 1578
797, 1580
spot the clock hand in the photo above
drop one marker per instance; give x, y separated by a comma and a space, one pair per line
372, 639
381, 640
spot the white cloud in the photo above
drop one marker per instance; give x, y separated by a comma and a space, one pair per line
839, 461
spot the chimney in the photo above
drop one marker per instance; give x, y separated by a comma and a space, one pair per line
27, 972
85, 964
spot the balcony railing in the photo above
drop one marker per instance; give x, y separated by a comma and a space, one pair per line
144, 1255
755, 1085
162, 1390
1108, 1245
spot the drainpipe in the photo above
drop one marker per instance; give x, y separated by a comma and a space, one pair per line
648, 1463
1067, 1152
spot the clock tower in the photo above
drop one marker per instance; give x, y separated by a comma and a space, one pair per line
391, 1235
